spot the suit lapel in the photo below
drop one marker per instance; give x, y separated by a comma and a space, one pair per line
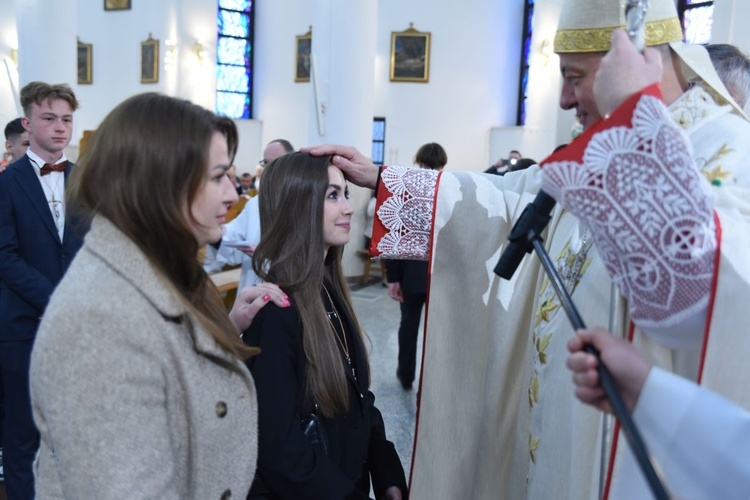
29, 183
69, 225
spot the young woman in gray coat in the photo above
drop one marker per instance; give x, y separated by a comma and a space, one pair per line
137, 378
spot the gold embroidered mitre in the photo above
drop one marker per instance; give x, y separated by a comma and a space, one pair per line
587, 25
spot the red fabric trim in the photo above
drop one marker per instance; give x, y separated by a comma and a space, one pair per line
378, 229
631, 333
714, 284
616, 436
611, 465
424, 331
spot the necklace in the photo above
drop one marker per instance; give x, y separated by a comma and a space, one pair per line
572, 265
53, 201
344, 344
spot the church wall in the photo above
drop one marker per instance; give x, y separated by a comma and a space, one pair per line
9, 107
468, 106
474, 67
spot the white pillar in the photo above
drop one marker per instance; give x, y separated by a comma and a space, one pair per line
343, 49
47, 49
10, 107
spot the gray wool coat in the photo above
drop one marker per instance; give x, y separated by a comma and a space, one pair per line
130, 401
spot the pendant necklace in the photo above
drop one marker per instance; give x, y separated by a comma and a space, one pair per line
53, 201
571, 268
344, 344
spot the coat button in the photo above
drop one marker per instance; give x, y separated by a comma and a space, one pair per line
226, 494
221, 409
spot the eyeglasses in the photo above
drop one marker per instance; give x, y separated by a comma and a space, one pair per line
263, 163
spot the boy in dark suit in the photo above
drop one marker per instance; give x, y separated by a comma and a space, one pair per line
36, 247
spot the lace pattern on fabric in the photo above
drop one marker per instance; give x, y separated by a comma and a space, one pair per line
407, 212
651, 215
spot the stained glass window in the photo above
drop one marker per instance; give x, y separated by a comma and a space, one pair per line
234, 58
238, 5
528, 15
696, 17
378, 141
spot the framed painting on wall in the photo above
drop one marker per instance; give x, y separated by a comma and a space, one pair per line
303, 48
85, 70
150, 60
116, 4
410, 56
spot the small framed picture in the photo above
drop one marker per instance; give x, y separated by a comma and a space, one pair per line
410, 56
116, 4
303, 46
85, 70
150, 60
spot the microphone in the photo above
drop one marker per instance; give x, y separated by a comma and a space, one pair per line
535, 217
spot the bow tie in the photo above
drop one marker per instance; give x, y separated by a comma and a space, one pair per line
57, 167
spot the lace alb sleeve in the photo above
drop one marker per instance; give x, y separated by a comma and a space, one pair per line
649, 210
406, 203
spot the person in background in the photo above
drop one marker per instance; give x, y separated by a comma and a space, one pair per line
314, 363
369, 219
16, 140
137, 376
733, 67
246, 185
274, 149
16, 144
504, 165
243, 233
232, 174
37, 243
687, 428
407, 283
522, 164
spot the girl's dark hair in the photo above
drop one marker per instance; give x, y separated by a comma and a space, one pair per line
291, 253
144, 165
432, 156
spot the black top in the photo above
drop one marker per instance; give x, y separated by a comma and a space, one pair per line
288, 465
411, 274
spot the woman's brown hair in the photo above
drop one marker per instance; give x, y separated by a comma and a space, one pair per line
141, 170
291, 253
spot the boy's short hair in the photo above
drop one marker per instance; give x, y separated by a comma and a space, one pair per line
13, 129
38, 92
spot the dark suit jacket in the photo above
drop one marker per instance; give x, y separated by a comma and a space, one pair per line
288, 464
32, 258
411, 274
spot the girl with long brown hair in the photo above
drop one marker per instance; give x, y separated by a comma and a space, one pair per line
313, 364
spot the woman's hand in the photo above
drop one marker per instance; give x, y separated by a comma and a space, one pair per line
252, 299
392, 493
395, 292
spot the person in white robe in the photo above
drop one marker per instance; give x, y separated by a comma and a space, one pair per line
691, 432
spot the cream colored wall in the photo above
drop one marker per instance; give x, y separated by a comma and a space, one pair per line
468, 105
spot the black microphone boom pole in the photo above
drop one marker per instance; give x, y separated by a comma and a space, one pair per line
524, 237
